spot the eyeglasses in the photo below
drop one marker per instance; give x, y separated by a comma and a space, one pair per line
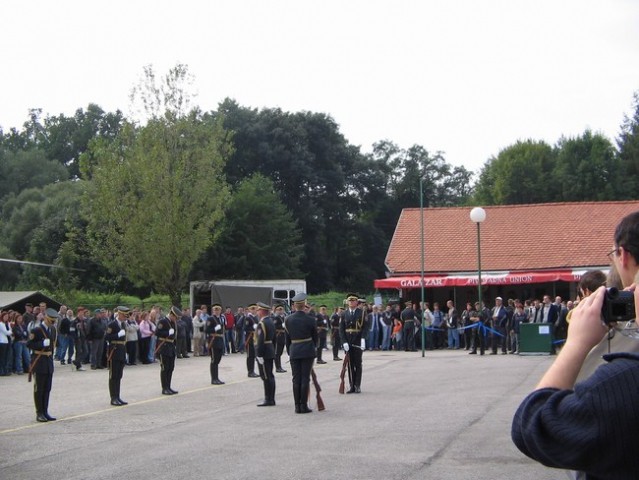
613, 253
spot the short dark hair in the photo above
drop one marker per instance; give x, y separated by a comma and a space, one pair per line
592, 280
627, 234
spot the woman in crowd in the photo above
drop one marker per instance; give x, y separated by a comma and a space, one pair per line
146, 333
5, 344
21, 355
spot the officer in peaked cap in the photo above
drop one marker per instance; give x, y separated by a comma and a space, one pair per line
280, 337
214, 331
42, 340
250, 325
301, 341
116, 356
353, 329
322, 332
265, 352
166, 332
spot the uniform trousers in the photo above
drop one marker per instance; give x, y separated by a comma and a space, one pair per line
355, 362
167, 365
41, 391
115, 377
301, 370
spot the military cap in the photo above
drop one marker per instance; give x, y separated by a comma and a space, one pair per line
323, 306
252, 305
51, 314
340, 308
175, 311
122, 309
216, 305
263, 306
97, 310
300, 298
352, 297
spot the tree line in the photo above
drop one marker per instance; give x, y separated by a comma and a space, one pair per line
245, 193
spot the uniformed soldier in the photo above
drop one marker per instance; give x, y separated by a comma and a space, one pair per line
42, 340
301, 341
353, 329
250, 324
116, 356
478, 316
214, 331
280, 337
166, 332
335, 340
322, 332
265, 352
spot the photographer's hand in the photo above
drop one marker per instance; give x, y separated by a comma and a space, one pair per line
586, 330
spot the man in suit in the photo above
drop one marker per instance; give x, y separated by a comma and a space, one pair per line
353, 329
116, 356
301, 342
42, 340
499, 317
265, 352
214, 331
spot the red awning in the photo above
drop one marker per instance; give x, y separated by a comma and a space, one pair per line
488, 278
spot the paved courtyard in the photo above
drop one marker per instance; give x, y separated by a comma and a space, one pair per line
444, 416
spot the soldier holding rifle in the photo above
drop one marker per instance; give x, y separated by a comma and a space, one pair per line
265, 352
353, 329
116, 337
166, 332
214, 331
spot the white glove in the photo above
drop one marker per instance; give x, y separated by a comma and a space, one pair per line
362, 344
260, 360
46, 342
218, 328
345, 347
171, 331
121, 333
255, 326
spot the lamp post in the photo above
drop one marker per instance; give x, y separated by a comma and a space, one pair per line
478, 215
421, 223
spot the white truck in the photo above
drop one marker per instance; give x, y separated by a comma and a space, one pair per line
240, 293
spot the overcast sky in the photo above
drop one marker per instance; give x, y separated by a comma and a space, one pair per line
467, 77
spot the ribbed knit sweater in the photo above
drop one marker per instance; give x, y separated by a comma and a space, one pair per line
593, 428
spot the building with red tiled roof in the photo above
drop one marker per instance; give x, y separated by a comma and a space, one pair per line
526, 250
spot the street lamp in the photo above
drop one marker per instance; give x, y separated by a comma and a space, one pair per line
421, 222
478, 215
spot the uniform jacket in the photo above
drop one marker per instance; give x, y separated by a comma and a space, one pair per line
322, 325
301, 335
166, 341
43, 365
353, 327
265, 338
116, 343
216, 335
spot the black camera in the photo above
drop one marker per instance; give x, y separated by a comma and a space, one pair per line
618, 306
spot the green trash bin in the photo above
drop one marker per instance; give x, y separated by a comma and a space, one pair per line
535, 339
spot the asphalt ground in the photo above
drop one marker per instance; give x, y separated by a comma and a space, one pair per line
444, 416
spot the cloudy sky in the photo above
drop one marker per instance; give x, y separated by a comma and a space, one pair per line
465, 77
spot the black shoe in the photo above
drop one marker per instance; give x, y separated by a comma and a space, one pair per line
173, 392
217, 381
321, 362
49, 417
304, 409
358, 390
280, 370
186, 356
297, 409
62, 362
472, 352
41, 418
93, 367
336, 359
266, 403
253, 375
166, 392
352, 390
122, 402
115, 402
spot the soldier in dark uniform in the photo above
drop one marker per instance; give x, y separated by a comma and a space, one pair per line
408, 320
280, 337
353, 329
322, 332
265, 352
116, 357
166, 332
335, 341
250, 324
214, 331
301, 341
42, 340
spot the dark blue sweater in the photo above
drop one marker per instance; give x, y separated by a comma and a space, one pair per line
593, 428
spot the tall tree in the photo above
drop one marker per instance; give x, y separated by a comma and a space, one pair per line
258, 238
628, 145
158, 190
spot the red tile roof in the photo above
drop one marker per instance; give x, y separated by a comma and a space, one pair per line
513, 237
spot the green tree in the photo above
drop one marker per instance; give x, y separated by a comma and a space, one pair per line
157, 191
23, 169
520, 174
258, 238
628, 146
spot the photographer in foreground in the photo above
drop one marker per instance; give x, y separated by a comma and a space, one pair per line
591, 426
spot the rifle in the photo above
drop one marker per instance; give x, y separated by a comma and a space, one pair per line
32, 366
318, 389
345, 365
111, 350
